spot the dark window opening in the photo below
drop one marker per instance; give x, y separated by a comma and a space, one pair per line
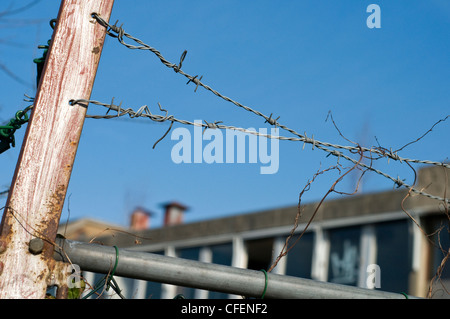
259, 252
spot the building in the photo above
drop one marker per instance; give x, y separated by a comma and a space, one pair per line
348, 239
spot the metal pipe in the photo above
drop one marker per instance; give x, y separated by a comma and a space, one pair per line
195, 274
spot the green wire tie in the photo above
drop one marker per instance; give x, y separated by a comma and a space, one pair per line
40, 62
265, 284
7, 131
108, 280
404, 294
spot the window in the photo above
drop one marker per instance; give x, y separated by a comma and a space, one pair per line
394, 254
299, 258
259, 252
153, 290
221, 254
344, 255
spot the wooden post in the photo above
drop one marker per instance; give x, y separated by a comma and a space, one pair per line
33, 209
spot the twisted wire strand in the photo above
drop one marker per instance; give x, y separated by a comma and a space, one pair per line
120, 34
145, 112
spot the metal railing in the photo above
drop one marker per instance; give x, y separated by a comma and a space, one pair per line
195, 274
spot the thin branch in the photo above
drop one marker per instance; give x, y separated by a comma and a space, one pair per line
426, 133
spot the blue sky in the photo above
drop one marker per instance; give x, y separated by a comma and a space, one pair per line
295, 59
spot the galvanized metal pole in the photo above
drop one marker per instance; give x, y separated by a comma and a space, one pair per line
33, 209
189, 273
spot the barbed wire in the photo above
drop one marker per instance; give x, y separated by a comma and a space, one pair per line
144, 111
383, 152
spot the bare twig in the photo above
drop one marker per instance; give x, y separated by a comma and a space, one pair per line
426, 133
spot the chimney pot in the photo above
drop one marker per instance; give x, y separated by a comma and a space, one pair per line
174, 213
140, 219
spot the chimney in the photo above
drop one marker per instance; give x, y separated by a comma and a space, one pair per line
174, 213
140, 219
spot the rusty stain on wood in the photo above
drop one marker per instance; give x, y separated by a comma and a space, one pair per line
2, 246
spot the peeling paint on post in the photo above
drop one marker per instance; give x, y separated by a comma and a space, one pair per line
42, 174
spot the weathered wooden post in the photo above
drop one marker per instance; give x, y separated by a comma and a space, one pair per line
33, 209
